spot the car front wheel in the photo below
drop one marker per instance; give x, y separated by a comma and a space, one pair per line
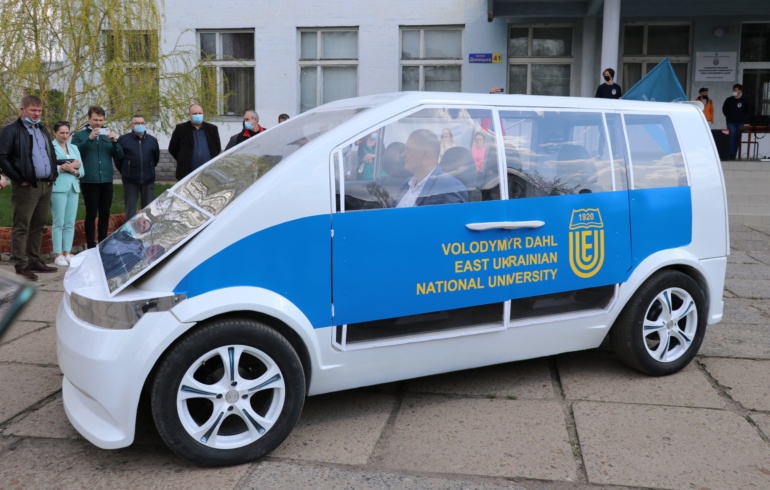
662, 327
228, 393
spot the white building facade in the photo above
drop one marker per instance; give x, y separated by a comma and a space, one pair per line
288, 56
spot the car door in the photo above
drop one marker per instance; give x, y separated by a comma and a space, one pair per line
560, 227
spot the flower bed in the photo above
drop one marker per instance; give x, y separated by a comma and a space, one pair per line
46, 248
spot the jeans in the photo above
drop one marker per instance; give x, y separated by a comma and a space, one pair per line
31, 206
98, 201
735, 138
64, 207
131, 193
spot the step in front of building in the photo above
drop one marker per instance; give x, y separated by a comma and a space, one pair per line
748, 191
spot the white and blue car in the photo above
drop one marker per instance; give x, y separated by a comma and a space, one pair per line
389, 237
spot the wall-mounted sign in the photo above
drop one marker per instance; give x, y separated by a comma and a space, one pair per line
485, 58
716, 67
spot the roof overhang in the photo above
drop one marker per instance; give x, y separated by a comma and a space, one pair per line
523, 9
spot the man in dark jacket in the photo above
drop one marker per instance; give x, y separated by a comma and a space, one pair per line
193, 143
429, 184
141, 154
28, 159
737, 111
98, 147
251, 127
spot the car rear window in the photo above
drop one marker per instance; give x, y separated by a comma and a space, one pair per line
656, 157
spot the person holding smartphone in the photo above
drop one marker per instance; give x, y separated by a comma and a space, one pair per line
98, 146
65, 194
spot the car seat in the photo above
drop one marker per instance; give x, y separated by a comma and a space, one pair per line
458, 162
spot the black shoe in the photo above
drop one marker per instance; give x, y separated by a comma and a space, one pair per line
27, 274
40, 267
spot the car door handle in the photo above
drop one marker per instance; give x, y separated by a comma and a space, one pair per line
504, 225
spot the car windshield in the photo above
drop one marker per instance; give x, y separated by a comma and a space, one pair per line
182, 211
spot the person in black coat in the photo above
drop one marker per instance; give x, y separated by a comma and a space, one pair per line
609, 89
736, 110
141, 154
193, 143
251, 128
28, 159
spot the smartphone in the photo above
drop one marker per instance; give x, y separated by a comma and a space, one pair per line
14, 294
104, 131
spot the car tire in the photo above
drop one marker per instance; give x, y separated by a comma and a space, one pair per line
662, 327
227, 393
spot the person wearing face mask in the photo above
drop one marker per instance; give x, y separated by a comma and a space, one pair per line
736, 110
193, 143
251, 128
141, 154
28, 159
609, 89
708, 105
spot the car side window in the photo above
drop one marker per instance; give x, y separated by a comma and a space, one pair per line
656, 157
551, 153
433, 156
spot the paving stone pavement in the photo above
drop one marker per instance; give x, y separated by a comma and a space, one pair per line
575, 421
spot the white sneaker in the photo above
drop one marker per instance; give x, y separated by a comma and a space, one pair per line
60, 260
68, 258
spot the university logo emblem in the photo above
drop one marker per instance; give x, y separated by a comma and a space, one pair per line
586, 242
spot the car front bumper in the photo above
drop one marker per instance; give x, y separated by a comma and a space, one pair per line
105, 371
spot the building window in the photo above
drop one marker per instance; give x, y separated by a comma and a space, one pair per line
540, 60
755, 42
328, 66
229, 67
135, 55
432, 59
755, 55
646, 45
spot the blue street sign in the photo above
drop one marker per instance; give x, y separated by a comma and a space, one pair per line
480, 58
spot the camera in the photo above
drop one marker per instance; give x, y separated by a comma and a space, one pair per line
104, 131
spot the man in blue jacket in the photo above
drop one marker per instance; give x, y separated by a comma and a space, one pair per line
141, 154
429, 184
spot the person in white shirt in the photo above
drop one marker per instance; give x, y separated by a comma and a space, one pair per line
428, 184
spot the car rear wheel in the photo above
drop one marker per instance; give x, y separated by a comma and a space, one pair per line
662, 327
228, 393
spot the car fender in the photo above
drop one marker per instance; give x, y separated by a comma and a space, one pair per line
253, 299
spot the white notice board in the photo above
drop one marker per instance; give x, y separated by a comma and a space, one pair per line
716, 67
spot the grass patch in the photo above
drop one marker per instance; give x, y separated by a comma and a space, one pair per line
118, 203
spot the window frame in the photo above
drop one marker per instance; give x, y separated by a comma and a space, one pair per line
529, 60
151, 63
319, 62
645, 59
218, 63
422, 62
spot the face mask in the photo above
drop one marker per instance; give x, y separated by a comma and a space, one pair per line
735, 94
248, 125
607, 78
197, 118
373, 136
31, 121
704, 97
139, 129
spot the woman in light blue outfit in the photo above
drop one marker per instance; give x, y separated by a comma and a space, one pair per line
65, 193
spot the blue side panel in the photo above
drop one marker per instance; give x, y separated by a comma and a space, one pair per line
291, 259
395, 262
660, 219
